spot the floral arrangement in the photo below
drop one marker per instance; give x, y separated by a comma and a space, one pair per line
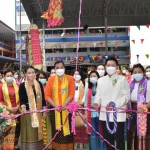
3, 115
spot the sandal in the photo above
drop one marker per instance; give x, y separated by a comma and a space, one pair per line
81, 146
75, 146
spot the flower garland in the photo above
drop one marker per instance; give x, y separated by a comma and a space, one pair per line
64, 95
32, 101
45, 140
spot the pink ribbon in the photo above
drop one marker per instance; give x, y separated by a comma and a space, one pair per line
73, 108
79, 24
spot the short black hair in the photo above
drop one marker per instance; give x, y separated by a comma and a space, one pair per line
7, 71
111, 59
90, 85
29, 67
43, 73
138, 66
148, 67
58, 62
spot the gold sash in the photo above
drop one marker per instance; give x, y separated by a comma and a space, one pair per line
64, 96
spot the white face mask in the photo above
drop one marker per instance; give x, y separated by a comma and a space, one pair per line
123, 71
111, 70
101, 72
138, 77
77, 77
16, 76
9, 79
60, 72
148, 74
93, 80
43, 81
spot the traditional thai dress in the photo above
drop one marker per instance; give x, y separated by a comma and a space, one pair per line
140, 95
31, 124
93, 118
9, 96
59, 91
81, 135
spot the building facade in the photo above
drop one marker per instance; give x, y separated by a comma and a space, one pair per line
61, 44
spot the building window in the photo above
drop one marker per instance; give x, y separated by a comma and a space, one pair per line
80, 50
23, 51
54, 50
96, 49
122, 49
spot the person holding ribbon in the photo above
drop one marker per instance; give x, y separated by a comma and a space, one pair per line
10, 98
93, 117
31, 95
139, 124
59, 93
112, 92
46, 126
81, 136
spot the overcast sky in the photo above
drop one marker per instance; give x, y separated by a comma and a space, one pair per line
7, 12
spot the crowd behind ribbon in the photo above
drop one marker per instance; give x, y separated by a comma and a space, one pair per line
32, 89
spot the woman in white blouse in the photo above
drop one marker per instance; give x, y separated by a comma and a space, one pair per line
140, 100
81, 136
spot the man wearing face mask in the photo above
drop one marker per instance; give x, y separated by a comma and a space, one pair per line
60, 91
112, 88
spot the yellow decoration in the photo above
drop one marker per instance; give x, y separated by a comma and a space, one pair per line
7, 98
32, 102
64, 95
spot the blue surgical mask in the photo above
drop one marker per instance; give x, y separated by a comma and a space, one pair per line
138, 77
93, 80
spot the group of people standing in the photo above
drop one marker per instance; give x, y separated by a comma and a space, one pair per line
104, 89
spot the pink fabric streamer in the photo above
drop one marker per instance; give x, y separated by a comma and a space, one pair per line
79, 25
73, 108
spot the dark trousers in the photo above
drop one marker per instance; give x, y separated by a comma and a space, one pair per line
118, 136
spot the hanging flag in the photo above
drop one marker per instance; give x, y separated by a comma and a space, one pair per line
142, 40
147, 56
94, 44
147, 26
133, 41
139, 27
101, 43
129, 28
137, 58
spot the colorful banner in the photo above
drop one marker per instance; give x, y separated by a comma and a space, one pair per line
35, 57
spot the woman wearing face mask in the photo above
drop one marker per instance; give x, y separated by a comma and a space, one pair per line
93, 117
10, 98
52, 73
140, 96
81, 136
59, 93
128, 75
16, 77
42, 77
101, 70
147, 72
31, 98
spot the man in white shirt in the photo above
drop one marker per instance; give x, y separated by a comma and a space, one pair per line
112, 88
